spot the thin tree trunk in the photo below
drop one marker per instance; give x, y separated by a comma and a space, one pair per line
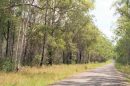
8, 34
43, 51
1, 54
63, 55
45, 35
80, 56
20, 41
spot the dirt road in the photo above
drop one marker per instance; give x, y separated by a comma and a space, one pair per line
104, 76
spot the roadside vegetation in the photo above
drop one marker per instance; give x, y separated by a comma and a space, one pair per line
122, 32
33, 76
47, 32
42, 41
123, 68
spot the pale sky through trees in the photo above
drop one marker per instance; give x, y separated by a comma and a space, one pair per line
104, 16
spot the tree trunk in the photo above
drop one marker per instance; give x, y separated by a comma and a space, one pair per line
43, 49
45, 34
1, 53
64, 59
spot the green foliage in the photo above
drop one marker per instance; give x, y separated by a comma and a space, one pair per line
50, 32
36, 60
6, 65
102, 48
123, 33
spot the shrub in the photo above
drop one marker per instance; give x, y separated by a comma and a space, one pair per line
36, 60
6, 65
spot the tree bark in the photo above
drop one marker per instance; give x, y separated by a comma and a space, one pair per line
45, 34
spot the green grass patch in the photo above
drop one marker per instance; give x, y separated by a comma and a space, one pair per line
44, 76
124, 69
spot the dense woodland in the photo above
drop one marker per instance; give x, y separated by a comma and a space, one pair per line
46, 32
123, 32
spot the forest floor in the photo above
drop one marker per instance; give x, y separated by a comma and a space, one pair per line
103, 76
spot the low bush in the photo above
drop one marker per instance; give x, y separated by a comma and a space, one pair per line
6, 65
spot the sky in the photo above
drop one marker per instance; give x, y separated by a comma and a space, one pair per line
105, 19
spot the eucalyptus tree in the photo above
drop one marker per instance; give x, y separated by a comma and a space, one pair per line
123, 32
37, 32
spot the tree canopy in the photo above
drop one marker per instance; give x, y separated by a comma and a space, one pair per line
123, 32
37, 32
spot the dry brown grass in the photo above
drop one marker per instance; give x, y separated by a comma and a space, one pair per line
43, 76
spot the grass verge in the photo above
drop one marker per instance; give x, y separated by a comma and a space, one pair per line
43, 76
124, 69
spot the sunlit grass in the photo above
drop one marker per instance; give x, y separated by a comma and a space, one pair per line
43, 76
124, 69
